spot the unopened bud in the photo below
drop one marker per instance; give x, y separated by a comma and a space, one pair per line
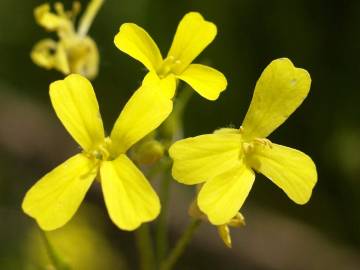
237, 221
148, 152
224, 234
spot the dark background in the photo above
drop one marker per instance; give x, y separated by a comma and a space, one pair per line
321, 36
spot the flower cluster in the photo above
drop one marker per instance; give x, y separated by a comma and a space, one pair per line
75, 51
222, 164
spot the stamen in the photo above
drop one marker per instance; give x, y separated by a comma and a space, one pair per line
263, 141
101, 152
97, 154
248, 147
168, 66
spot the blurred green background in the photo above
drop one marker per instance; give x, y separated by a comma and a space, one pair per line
321, 36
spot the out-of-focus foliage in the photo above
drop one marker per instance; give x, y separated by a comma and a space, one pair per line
78, 244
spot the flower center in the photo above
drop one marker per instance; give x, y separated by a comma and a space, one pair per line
168, 66
248, 146
101, 152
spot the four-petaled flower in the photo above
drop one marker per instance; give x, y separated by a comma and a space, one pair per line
226, 160
75, 51
193, 35
129, 197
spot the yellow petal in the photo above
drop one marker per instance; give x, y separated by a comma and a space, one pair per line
144, 112
291, 170
279, 91
129, 197
167, 84
76, 106
208, 82
201, 158
221, 197
192, 36
136, 42
55, 198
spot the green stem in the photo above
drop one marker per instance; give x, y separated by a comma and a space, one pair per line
182, 100
173, 128
162, 230
145, 248
181, 245
54, 257
89, 15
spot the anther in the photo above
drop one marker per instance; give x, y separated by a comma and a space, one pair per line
263, 141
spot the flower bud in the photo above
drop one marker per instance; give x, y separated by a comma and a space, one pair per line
148, 152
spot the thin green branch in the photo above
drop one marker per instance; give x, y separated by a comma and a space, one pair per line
89, 15
181, 245
162, 230
57, 262
145, 247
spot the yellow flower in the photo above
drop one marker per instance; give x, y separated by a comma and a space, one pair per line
129, 197
75, 51
225, 161
193, 35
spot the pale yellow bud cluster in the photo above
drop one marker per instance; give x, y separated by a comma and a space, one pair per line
74, 51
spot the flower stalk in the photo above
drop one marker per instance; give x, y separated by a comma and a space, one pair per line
57, 262
145, 248
181, 245
89, 16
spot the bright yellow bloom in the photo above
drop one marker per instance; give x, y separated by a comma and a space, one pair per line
226, 159
193, 35
129, 197
75, 51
